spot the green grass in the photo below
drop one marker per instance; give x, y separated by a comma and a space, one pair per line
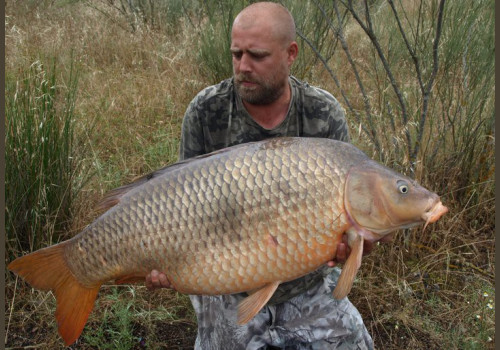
43, 175
115, 331
129, 317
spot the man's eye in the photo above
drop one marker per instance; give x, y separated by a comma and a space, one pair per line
236, 55
258, 56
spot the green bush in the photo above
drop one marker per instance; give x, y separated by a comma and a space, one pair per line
41, 177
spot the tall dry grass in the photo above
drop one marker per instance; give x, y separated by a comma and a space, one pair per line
131, 94
136, 74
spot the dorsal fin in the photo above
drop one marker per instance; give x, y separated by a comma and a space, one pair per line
113, 197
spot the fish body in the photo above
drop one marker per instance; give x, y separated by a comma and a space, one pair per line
245, 218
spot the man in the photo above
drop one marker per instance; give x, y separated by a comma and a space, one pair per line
261, 101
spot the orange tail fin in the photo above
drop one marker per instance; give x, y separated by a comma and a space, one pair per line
46, 269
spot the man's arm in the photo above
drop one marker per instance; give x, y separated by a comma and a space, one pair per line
192, 137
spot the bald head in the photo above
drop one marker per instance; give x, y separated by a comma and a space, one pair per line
263, 49
270, 15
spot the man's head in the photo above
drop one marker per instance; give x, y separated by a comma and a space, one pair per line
263, 48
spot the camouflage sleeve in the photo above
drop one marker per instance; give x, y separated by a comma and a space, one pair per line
205, 122
191, 144
339, 129
323, 109
323, 116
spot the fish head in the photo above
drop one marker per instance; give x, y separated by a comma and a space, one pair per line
378, 201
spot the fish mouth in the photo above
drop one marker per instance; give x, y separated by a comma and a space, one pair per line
434, 213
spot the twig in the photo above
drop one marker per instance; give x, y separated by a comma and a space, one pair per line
345, 47
410, 49
11, 310
430, 83
368, 29
332, 74
456, 267
472, 266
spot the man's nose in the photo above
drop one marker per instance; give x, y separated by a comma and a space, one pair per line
245, 64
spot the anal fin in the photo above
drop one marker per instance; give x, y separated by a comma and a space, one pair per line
252, 304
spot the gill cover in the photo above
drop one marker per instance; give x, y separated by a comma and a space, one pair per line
379, 201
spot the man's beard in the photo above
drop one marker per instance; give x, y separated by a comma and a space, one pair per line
264, 92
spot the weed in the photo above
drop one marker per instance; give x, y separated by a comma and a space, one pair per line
43, 176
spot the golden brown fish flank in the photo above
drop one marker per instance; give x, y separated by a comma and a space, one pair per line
242, 219
221, 208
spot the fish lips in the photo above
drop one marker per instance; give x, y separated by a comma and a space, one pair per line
434, 213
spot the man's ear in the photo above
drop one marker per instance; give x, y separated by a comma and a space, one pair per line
293, 51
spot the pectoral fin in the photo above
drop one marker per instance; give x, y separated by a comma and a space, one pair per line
350, 269
252, 304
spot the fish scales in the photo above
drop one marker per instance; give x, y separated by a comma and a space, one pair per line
258, 201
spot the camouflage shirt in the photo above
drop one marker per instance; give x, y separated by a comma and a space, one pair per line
216, 118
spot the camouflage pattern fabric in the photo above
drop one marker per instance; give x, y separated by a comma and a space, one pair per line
311, 320
302, 314
216, 119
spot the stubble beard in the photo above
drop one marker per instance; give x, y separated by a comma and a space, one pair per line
266, 90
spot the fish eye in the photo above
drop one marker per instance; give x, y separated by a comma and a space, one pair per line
403, 186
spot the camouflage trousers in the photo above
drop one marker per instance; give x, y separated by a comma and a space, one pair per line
310, 320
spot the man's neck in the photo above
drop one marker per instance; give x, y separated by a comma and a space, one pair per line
270, 115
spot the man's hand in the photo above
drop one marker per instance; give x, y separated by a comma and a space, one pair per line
157, 280
343, 250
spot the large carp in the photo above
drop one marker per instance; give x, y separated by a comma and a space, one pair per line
245, 218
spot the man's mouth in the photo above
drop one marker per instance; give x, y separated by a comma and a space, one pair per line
245, 81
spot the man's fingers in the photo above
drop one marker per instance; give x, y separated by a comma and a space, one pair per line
156, 280
155, 277
342, 252
163, 281
153, 280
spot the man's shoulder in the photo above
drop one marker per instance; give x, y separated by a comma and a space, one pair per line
315, 101
322, 114
214, 93
313, 94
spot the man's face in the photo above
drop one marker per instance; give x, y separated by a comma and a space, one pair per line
260, 64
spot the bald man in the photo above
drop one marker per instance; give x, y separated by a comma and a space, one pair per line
262, 101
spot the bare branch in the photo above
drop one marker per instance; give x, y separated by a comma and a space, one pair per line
430, 82
340, 35
368, 29
411, 50
332, 74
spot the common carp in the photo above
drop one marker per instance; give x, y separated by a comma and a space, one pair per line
243, 219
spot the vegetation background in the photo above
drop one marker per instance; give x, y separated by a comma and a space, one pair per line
95, 94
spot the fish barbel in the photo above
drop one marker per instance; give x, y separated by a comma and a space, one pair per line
245, 218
